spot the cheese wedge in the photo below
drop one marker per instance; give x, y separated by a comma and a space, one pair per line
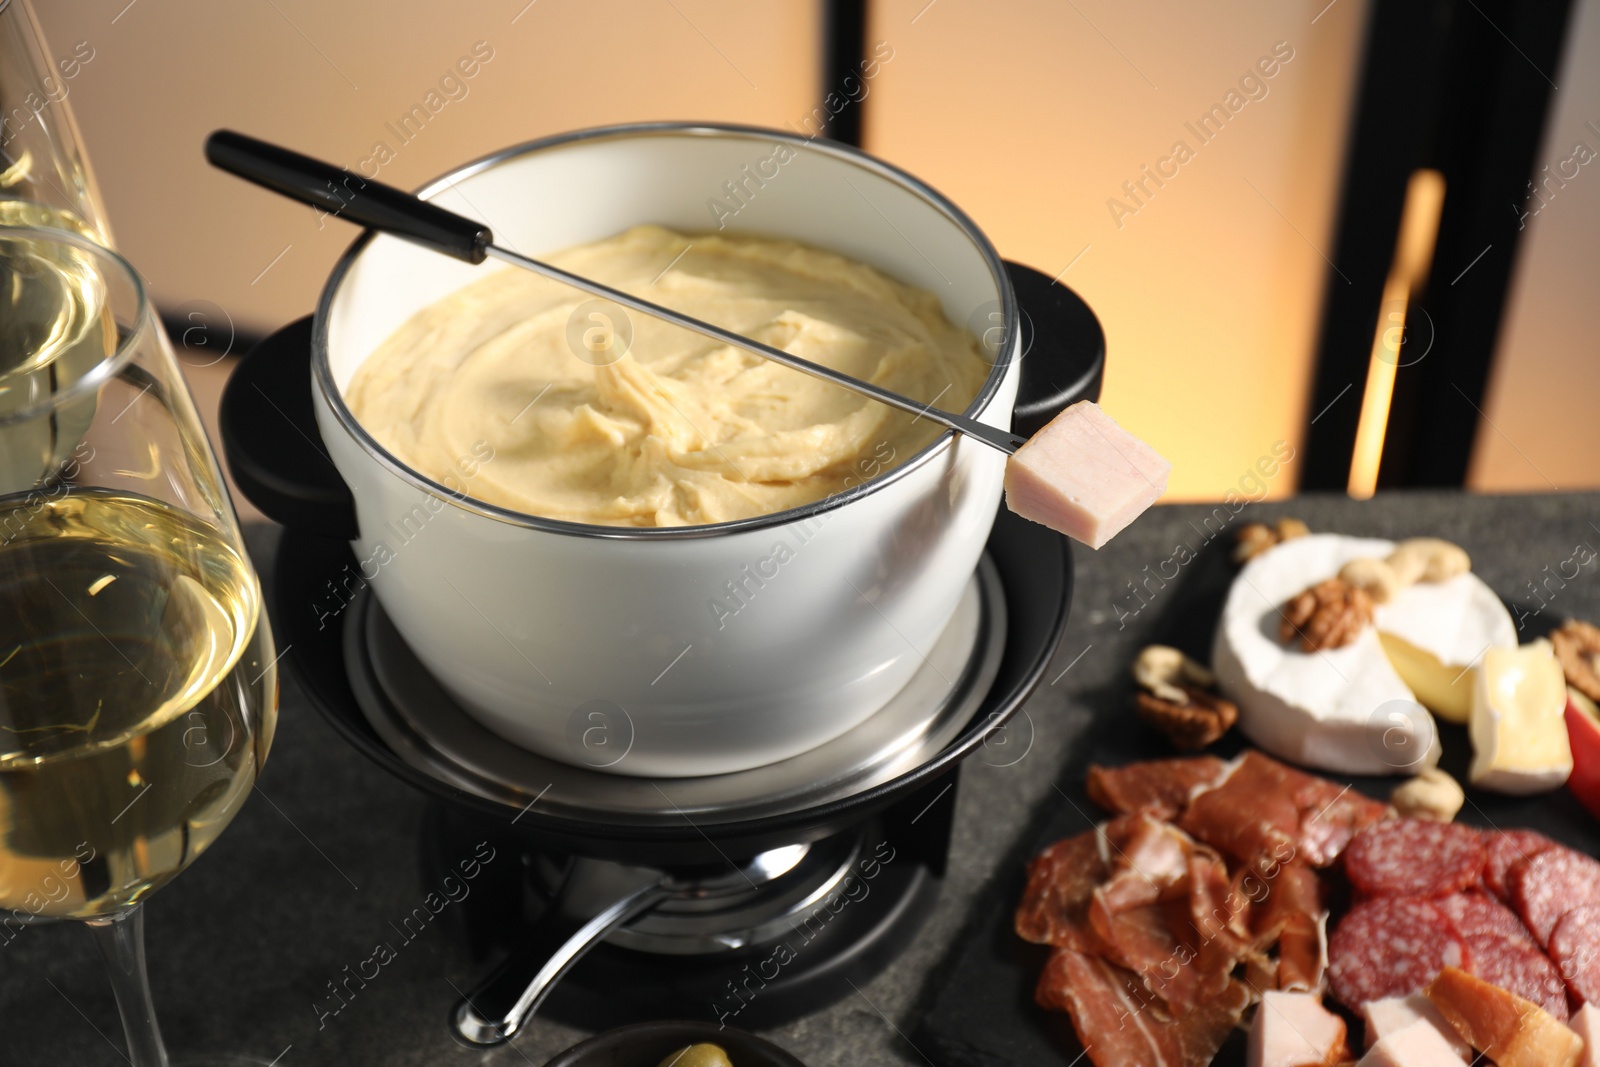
1084, 476
1293, 1030
1392, 1014
1350, 709
1519, 726
1417, 1045
1434, 633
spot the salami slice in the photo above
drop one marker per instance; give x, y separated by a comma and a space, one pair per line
1575, 950
1507, 848
1414, 858
1480, 917
1391, 947
1547, 885
1519, 967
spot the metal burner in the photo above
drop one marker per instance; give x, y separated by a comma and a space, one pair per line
424, 726
684, 912
723, 911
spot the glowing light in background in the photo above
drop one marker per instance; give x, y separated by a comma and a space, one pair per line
1413, 255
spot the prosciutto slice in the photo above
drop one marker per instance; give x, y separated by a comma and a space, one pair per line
1266, 814
1061, 882
1118, 1022
1161, 787
1291, 913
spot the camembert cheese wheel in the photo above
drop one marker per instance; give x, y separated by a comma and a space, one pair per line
1351, 709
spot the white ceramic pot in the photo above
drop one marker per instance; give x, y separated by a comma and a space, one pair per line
688, 651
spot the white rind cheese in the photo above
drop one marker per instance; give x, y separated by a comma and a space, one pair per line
1435, 633
1519, 725
1346, 709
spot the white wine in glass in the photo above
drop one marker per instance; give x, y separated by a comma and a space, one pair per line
138, 691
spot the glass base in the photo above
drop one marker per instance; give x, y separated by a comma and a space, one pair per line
221, 1060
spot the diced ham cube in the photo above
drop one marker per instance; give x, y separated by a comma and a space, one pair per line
1084, 476
1392, 1014
1417, 1045
1507, 1029
1293, 1030
1586, 1024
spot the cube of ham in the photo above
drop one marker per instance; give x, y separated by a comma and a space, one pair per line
1084, 476
1391, 1014
1586, 1024
1509, 1030
1295, 1030
1417, 1045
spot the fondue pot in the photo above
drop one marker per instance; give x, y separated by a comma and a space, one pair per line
670, 652
641, 897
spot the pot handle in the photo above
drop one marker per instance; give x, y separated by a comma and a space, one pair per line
1063, 349
271, 441
498, 1008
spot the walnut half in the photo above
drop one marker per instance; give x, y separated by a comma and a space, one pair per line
1178, 699
1201, 719
1331, 614
1577, 646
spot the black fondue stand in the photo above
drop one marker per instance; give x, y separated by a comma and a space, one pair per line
804, 932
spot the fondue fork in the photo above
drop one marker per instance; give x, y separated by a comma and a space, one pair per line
389, 210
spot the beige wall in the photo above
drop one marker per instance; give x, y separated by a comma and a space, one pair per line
1542, 425
327, 76
1032, 114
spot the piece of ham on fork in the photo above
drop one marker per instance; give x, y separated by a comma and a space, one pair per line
1084, 476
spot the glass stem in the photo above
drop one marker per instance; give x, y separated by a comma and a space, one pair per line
121, 941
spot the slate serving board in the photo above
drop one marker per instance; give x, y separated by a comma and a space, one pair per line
983, 1014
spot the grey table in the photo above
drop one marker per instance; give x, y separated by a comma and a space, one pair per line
317, 866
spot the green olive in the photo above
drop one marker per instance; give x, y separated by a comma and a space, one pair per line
701, 1055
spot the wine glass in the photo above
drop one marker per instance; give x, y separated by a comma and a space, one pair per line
44, 173
138, 693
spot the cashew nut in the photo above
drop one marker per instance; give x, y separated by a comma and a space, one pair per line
1428, 559
1288, 529
1433, 794
1162, 670
1373, 575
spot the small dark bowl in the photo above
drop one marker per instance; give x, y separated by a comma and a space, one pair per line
647, 1044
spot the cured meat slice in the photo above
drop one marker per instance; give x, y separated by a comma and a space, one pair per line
1119, 1024
1391, 947
1547, 885
1061, 882
1215, 915
1507, 848
1160, 787
1503, 1026
1147, 857
1480, 917
1291, 914
1330, 815
1164, 913
1266, 813
1575, 950
1414, 858
1519, 967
